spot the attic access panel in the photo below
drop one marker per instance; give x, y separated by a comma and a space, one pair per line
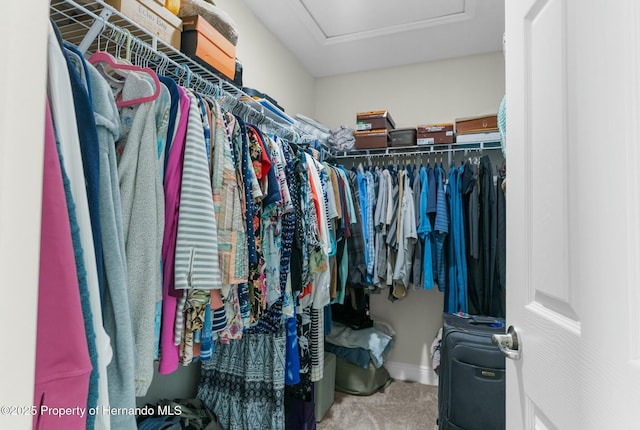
359, 18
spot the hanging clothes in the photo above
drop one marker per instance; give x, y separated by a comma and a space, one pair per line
501, 245
424, 231
61, 374
407, 236
356, 245
197, 262
142, 196
66, 127
440, 229
116, 308
227, 204
489, 223
292, 366
471, 202
243, 384
380, 226
170, 356
417, 279
456, 293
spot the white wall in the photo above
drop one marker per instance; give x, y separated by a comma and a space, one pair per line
267, 65
438, 91
416, 94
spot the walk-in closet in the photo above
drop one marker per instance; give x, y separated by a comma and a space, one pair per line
247, 215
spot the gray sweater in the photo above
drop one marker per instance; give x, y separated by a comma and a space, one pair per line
117, 319
142, 193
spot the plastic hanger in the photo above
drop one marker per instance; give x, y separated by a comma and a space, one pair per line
104, 57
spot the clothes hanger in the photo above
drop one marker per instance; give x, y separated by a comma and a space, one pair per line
187, 78
100, 57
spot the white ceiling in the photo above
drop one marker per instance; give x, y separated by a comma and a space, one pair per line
332, 37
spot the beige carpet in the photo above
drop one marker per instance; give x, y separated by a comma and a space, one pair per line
401, 406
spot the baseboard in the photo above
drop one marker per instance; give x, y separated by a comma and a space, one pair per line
411, 372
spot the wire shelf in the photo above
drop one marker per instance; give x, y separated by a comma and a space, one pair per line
418, 150
94, 25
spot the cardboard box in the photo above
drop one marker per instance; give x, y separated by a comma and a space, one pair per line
477, 124
433, 134
372, 139
201, 41
153, 17
374, 120
403, 137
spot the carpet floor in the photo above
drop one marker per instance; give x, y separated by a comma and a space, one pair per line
402, 405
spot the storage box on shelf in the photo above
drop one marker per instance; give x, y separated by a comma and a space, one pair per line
403, 137
477, 124
431, 134
491, 136
374, 120
153, 17
372, 139
202, 42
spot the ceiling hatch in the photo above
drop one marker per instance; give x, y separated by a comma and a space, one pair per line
341, 20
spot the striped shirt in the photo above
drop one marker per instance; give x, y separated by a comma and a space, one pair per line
196, 264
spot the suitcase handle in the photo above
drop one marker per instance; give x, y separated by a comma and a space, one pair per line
492, 322
480, 320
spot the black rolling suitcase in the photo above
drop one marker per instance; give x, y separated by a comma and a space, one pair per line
471, 390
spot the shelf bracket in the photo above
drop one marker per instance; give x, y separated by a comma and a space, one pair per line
95, 29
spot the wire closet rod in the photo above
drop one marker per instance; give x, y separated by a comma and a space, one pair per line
428, 150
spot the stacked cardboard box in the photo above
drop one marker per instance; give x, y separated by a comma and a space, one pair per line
206, 45
372, 129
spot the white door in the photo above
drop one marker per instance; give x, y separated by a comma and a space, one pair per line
573, 226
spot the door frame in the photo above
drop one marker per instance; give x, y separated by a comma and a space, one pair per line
22, 108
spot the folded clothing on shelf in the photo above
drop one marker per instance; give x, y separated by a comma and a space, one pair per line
215, 16
342, 138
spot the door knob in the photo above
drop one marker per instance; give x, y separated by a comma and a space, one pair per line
509, 343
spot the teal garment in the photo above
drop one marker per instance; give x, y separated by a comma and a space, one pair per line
343, 260
88, 138
456, 292
206, 337
92, 399
417, 265
364, 204
424, 231
441, 229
